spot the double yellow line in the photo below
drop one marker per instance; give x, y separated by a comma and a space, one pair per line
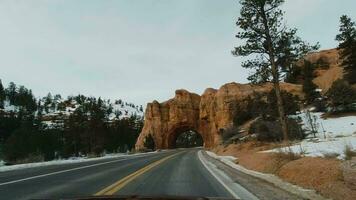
112, 189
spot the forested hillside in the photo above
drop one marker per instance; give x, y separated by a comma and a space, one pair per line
52, 127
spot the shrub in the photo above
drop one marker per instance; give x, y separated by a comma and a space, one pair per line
322, 63
283, 157
271, 130
290, 103
264, 105
250, 108
341, 96
228, 133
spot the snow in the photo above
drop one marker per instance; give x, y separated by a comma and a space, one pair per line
66, 161
10, 108
57, 162
332, 127
332, 137
55, 117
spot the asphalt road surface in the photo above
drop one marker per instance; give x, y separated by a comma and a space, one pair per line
178, 173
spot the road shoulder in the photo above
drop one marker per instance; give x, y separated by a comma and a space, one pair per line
263, 186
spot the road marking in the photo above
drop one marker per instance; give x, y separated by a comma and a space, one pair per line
202, 160
110, 190
67, 170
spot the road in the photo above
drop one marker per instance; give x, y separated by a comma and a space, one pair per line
178, 173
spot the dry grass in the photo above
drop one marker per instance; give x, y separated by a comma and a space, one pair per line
283, 157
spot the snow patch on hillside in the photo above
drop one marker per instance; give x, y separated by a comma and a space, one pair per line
333, 135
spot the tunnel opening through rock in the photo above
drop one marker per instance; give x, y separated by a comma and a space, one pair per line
188, 139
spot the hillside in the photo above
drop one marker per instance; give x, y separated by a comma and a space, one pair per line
54, 110
42, 129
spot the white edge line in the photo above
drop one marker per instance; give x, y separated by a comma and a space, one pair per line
216, 177
67, 170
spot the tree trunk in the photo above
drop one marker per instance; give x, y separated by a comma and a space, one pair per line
282, 116
275, 75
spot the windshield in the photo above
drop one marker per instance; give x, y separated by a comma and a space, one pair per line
178, 99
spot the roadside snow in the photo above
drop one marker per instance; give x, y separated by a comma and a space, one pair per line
68, 161
57, 162
332, 137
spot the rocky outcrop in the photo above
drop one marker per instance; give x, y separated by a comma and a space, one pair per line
207, 114
332, 70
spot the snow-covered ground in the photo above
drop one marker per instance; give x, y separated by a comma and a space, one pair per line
332, 137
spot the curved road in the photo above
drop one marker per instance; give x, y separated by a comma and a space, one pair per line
178, 173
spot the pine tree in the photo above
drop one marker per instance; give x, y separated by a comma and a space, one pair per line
347, 47
11, 92
274, 45
2, 95
149, 142
309, 88
341, 96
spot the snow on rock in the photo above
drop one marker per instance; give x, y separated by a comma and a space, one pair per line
333, 135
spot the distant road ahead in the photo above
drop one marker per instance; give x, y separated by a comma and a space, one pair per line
178, 173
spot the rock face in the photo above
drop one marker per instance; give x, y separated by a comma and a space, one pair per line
207, 114
325, 77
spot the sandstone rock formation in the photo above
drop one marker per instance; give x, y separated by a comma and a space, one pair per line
213, 110
325, 77
207, 114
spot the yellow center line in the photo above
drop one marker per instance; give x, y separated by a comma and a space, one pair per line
110, 190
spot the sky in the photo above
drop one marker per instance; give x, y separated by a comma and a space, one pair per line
138, 50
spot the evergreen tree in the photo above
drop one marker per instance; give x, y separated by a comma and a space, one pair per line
11, 92
274, 45
293, 74
48, 101
309, 88
2, 95
347, 47
341, 96
149, 142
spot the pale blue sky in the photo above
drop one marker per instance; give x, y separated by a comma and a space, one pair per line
138, 50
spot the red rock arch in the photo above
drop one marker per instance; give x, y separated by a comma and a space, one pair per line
176, 131
206, 114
